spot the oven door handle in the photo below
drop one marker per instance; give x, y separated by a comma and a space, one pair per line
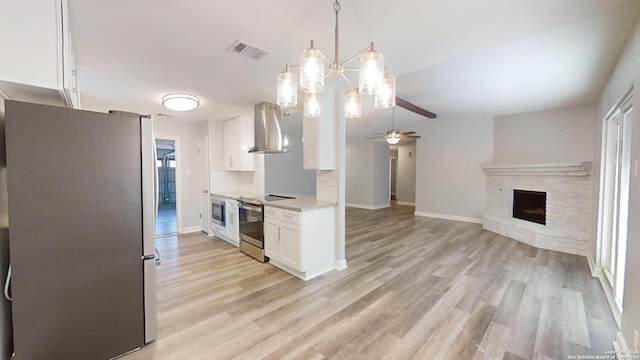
251, 208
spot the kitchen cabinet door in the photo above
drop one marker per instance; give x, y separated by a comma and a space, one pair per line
290, 242
318, 149
231, 129
238, 139
42, 62
272, 243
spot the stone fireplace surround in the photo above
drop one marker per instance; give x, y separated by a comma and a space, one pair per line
568, 210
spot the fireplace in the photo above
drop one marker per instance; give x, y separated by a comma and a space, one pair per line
566, 206
530, 206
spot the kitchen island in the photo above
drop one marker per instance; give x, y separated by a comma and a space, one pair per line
298, 232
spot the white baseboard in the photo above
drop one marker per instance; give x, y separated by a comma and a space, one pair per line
597, 273
340, 264
406, 203
592, 265
367, 207
448, 217
619, 345
191, 229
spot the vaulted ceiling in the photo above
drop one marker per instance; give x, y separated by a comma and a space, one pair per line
454, 57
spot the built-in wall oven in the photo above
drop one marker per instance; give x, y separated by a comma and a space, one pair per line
251, 214
218, 210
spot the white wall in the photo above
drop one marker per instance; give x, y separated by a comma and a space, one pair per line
6, 338
381, 159
450, 155
187, 158
406, 174
556, 135
359, 173
625, 76
367, 174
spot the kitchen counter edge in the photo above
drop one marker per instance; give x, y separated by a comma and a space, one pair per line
300, 203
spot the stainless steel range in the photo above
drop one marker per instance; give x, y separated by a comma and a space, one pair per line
251, 214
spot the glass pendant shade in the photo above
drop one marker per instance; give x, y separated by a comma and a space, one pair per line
393, 140
386, 93
371, 72
352, 105
287, 92
311, 70
311, 105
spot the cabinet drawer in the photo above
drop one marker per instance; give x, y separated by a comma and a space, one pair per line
282, 214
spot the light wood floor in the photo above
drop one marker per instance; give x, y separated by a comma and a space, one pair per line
416, 288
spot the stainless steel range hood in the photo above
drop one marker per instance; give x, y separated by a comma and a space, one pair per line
268, 134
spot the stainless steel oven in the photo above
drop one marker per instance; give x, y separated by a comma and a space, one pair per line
218, 210
251, 216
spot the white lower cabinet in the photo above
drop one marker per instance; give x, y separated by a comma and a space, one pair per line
301, 243
282, 242
232, 221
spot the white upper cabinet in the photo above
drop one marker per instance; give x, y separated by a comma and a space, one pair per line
319, 144
238, 139
38, 58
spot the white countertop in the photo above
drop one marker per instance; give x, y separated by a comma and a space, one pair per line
300, 203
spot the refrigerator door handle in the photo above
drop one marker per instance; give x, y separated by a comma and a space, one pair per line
148, 257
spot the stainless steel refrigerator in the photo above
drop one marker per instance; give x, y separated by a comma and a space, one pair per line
81, 231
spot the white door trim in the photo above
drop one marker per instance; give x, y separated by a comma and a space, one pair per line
176, 140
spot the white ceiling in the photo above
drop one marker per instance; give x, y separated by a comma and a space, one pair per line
453, 57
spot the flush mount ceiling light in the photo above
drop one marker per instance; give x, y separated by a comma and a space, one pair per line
373, 78
180, 102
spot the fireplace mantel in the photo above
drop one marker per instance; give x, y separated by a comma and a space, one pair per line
547, 169
568, 207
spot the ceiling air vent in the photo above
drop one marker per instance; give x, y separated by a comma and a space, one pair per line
246, 49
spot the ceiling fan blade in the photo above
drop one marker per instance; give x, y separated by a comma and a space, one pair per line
411, 137
414, 108
375, 137
405, 135
380, 133
408, 133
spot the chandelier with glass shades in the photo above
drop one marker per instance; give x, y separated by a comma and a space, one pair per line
373, 79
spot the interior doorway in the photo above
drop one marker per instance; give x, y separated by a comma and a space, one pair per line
167, 219
205, 200
393, 173
405, 176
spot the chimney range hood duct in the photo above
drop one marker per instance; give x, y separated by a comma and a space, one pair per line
268, 134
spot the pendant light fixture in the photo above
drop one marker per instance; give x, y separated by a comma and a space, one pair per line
287, 89
311, 105
352, 105
386, 93
373, 79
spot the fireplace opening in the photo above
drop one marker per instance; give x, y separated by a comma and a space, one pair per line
530, 206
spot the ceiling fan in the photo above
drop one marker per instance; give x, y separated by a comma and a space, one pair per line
394, 136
